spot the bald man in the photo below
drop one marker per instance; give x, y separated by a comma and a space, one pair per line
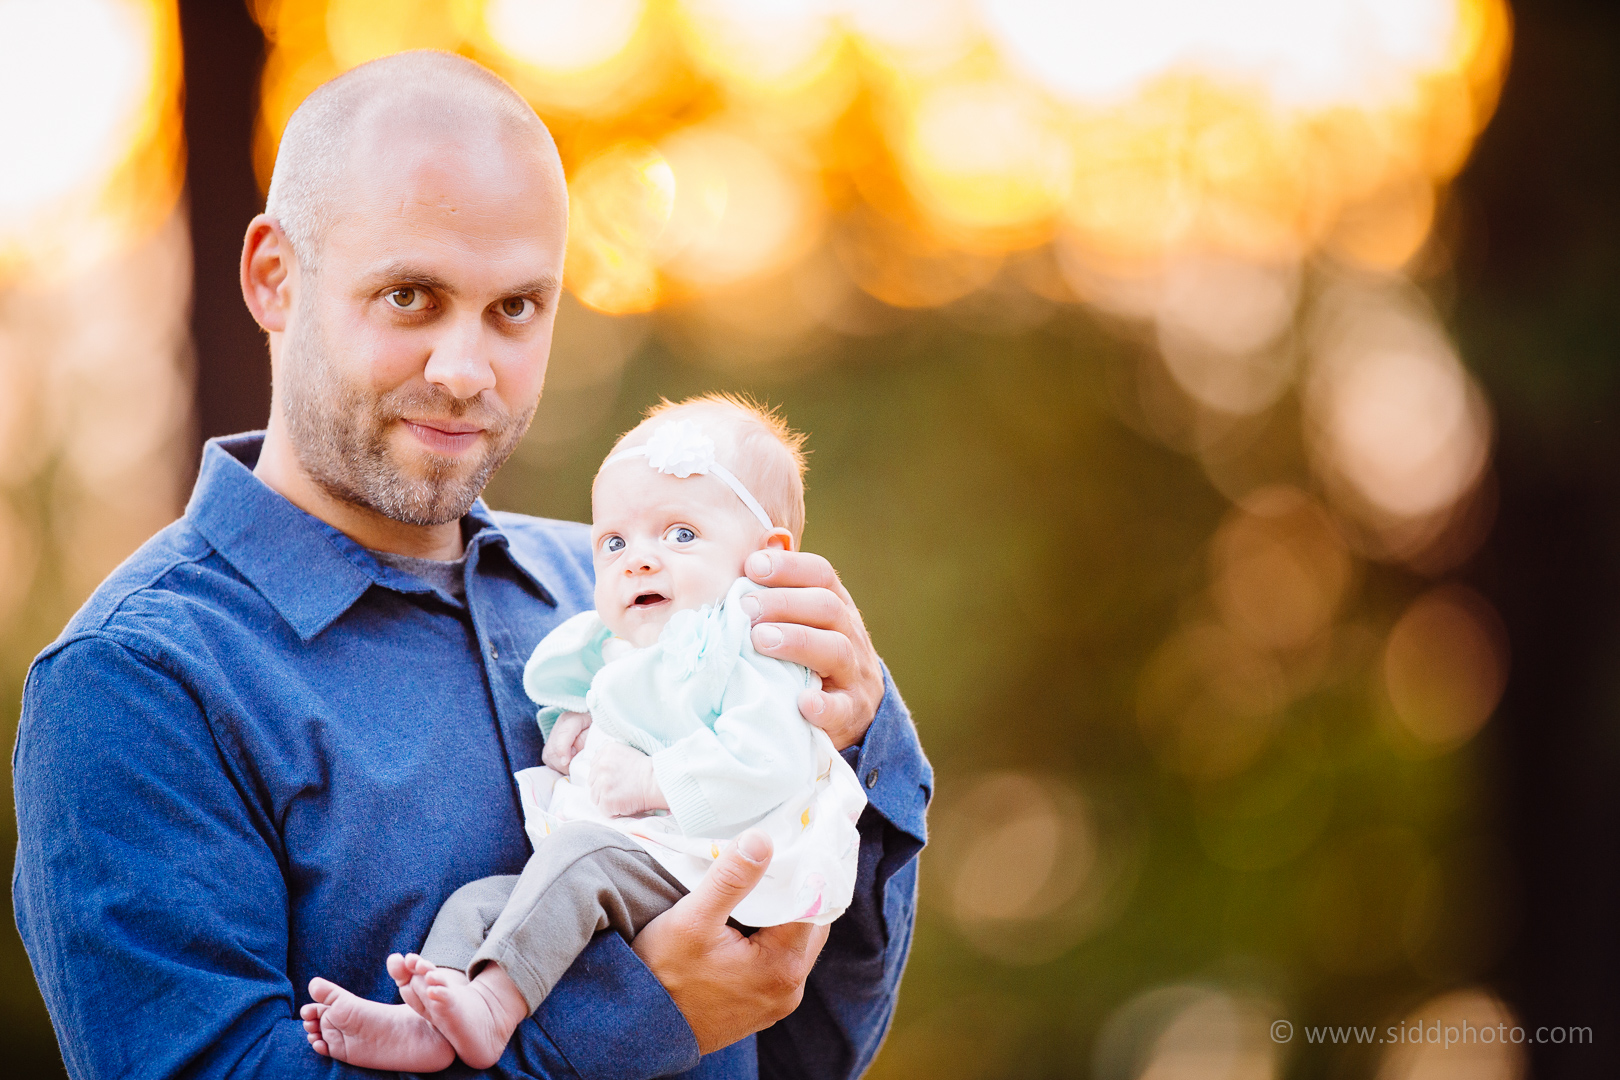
280, 735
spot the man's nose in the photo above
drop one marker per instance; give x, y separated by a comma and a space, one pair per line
461, 358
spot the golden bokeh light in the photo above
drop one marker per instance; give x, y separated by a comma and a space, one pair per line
1027, 853
95, 382
1467, 1034
738, 211
1280, 569
1028, 865
989, 158
573, 59
92, 137
1396, 421
361, 30
761, 46
1445, 666
1333, 52
1188, 1031
1137, 135
619, 205
1220, 325
918, 39
562, 38
1209, 702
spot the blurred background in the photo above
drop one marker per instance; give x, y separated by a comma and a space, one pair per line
1212, 408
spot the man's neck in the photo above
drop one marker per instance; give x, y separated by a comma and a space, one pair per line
281, 471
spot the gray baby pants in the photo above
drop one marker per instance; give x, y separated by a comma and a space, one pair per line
581, 879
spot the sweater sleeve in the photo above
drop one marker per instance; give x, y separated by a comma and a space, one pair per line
150, 894
559, 671
727, 775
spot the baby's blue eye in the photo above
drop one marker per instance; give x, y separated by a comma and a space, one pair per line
680, 534
612, 545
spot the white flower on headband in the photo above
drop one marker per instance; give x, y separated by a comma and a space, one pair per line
680, 448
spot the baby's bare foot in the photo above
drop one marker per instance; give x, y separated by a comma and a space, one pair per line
370, 1034
404, 970
476, 1016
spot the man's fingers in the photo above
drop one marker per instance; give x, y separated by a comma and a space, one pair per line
825, 652
733, 876
790, 951
794, 570
808, 606
841, 715
794, 937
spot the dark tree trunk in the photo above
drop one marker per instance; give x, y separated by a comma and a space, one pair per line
224, 52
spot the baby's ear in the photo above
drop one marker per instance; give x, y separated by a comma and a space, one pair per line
780, 539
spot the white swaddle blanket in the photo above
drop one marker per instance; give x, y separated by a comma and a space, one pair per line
730, 750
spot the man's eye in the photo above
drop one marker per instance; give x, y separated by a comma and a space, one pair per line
408, 299
612, 545
518, 308
680, 534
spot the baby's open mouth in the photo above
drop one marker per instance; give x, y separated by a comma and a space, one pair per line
647, 599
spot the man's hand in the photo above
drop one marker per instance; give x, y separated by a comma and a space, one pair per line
805, 615
726, 985
623, 781
566, 740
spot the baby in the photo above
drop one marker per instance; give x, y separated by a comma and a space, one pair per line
666, 735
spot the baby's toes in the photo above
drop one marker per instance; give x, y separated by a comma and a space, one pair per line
323, 991
398, 970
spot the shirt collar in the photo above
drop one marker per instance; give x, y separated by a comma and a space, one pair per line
309, 571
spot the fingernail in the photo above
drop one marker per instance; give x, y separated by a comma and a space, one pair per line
750, 606
754, 846
759, 565
767, 638
816, 705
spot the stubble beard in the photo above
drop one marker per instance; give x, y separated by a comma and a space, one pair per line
341, 436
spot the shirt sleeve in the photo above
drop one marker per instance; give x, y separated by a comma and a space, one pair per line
849, 1001
151, 898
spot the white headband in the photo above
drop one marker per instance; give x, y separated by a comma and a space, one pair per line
679, 448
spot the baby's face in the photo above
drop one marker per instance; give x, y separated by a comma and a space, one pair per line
662, 544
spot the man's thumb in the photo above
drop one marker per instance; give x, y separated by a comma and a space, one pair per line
734, 874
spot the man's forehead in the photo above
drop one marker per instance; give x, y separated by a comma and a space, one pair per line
431, 222
476, 171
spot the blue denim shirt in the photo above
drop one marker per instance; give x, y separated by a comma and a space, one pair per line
258, 755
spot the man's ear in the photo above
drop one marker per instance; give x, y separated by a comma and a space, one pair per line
780, 539
269, 273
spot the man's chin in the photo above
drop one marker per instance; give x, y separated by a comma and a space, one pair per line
415, 491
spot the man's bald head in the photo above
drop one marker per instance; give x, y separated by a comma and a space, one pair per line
436, 94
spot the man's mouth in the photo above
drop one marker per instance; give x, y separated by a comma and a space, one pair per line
649, 599
445, 436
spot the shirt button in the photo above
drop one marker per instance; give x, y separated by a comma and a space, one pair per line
494, 651
871, 779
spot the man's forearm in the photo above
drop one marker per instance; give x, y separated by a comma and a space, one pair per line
850, 998
155, 910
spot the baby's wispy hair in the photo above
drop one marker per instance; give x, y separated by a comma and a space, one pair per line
755, 442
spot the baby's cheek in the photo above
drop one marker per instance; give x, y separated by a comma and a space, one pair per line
605, 608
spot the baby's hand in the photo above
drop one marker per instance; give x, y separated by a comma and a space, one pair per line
566, 740
622, 781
